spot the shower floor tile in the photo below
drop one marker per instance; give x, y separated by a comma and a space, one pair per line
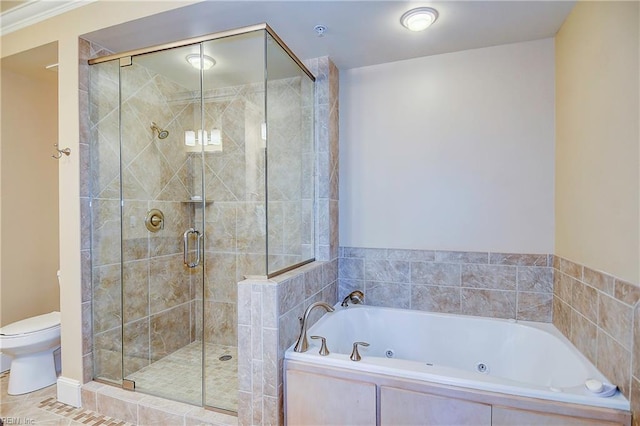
177, 376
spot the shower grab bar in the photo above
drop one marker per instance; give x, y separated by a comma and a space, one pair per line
185, 239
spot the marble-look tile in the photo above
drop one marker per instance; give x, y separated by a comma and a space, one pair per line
488, 303
598, 280
518, 259
364, 253
170, 285
167, 331
87, 328
270, 306
535, 279
245, 409
112, 406
220, 323
257, 391
570, 268
439, 274
270, 414
614, 361
411, 255
330, 271
89, 396
290, 293
489, 276
627, 292
616, 319
271, 377
562, 316
135, 300
85, 259
388, 294
85, 223
584, 335
313, 280
244, 358
289, 327
563, 286
351, 268
136, 346
535, 306
585, 300
347, 286
461, 257
435, 298
396, 271
107, 307
244, 303
220, 277
156, 416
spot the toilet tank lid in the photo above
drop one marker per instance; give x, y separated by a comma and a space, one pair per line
29, 325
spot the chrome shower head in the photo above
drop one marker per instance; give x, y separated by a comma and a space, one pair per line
162, 133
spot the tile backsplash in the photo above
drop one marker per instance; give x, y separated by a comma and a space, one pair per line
599, 313
500, 285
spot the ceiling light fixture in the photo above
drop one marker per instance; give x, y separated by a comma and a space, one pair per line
419, 19
194, 60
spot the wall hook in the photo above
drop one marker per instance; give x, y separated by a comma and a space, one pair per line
58, 154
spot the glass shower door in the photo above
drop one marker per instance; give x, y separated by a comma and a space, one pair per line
162, 225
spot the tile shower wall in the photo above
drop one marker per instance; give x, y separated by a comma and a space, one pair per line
500, 285
153, 312
85, 51
600, 314
268, 310
268, 325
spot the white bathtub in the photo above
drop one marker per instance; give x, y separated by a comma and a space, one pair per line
518, 358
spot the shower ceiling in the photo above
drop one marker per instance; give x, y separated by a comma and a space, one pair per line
359, 33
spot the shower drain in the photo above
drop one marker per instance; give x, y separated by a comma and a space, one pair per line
225, 358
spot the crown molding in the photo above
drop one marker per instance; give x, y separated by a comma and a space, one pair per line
34, 11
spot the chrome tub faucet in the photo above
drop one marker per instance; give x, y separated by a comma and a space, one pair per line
303, 344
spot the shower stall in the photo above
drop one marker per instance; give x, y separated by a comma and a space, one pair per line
202, 173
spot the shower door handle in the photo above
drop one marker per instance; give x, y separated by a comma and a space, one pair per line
185, 239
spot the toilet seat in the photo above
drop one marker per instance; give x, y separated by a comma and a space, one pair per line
31, 325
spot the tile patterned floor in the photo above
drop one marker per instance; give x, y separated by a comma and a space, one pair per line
177, 376
40, 408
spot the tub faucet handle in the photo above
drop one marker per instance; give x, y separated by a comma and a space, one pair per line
355, 355
324, 351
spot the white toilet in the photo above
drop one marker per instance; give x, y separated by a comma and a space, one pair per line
30, 344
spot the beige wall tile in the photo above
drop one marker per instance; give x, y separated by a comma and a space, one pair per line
616, 319
535, 306
435, 298
584, 335
492, 303
614, 361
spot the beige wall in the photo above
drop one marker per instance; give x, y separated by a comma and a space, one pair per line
65, 29
29, 197
597, 138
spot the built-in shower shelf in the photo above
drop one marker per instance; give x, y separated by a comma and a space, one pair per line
197, 202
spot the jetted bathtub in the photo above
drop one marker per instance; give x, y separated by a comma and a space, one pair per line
521, 358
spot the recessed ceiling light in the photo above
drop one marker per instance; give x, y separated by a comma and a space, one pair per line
194, 60
419, 19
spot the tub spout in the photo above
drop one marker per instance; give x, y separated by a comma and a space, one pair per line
303, 344
354, 297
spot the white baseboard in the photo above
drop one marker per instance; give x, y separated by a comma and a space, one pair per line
69, 391
5, 363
